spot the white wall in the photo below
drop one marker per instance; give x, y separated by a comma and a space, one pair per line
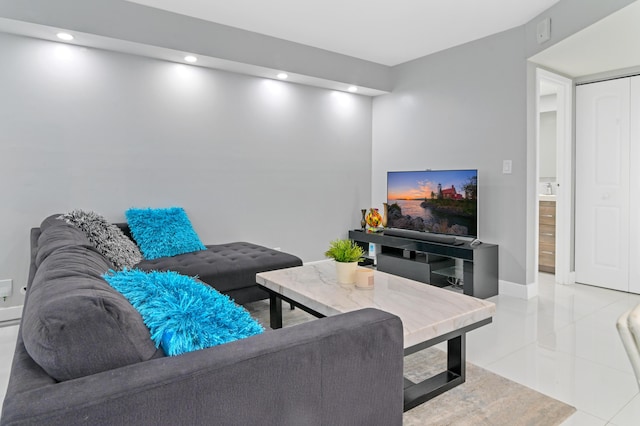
250, 159
471, 107
463, 108
564, 23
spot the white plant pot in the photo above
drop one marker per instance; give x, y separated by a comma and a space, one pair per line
346, 272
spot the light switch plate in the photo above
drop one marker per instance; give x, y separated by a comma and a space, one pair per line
506, 167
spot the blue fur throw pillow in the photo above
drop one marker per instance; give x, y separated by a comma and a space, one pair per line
183, 314
163, 232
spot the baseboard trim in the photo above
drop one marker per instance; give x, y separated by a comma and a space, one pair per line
508, 288
11, 313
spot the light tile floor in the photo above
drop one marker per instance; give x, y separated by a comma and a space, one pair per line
562, 343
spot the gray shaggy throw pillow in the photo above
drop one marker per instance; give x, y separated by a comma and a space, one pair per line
106, 237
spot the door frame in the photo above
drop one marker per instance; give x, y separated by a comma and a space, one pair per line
634, 183
564, 173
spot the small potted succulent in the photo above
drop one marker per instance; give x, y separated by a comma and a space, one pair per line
347, 254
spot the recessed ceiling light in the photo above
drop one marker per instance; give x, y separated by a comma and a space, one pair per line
283, 76
65, 36
352, 89
190, 58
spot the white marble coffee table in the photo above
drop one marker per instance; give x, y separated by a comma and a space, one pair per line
429, 314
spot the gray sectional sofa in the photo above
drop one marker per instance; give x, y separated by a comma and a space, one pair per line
84, 356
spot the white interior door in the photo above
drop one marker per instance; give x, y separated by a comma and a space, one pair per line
602, 184
634, 190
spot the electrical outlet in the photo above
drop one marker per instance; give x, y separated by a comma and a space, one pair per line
5, 288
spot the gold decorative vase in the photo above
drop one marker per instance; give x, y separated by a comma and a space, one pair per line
385, 214
373, 218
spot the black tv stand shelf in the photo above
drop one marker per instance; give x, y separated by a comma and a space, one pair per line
433, 262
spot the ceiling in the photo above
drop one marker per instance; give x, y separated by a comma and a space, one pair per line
386, 35
381, 31
612, 43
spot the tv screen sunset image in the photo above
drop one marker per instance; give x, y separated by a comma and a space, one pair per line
441, 201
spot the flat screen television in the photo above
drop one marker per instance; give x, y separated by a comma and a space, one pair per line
438, 201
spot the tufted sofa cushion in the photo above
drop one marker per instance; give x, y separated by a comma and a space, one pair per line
75, 324
225, 267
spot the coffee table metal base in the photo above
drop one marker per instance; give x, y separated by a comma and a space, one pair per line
414, 393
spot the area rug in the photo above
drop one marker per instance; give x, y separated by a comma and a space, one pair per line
485, 399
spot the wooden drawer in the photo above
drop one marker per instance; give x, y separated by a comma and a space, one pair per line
547, 234
547, 258
547, 218
547, 237
547, 249
549, 269
547, 213
546, 261
548, 205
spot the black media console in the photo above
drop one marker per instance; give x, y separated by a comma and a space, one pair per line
431, 259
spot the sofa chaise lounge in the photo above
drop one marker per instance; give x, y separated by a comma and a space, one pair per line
230, 268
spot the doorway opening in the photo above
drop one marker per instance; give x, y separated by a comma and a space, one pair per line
554, 176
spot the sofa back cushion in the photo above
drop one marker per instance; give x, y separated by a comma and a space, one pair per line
56, 234
74, 324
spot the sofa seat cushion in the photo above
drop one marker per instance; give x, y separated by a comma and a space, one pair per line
74, 324
225, 267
